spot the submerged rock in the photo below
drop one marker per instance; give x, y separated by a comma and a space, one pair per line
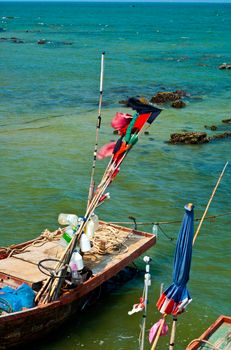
228, 121
16, 40
162, 97
178, 104
41, 42
12, 40
189, 138
225, 66
221, 136
123, 102
212, 127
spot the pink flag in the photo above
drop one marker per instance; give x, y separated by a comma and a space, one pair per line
154, 329
106, 150
120, 120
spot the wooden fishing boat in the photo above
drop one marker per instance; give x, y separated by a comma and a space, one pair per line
19, 264
217, 336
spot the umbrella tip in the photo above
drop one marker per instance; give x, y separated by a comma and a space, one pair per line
189, 206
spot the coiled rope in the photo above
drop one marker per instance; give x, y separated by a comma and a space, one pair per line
109, 240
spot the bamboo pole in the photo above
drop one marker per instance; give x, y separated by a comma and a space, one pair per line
173, 334
92, 184
209, 202
147, 283
158, 333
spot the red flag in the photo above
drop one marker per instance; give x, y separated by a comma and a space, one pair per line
120, 120
106, 150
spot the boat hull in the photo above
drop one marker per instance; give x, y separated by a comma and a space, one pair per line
24, 326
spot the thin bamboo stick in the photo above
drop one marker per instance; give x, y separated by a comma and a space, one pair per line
91, 188
158, 333
209, 202
173, 334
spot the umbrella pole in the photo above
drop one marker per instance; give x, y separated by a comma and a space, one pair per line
158, 333
147, 283
173, 334
209, 202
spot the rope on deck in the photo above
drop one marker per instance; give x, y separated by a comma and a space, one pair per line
109, 240
45, 237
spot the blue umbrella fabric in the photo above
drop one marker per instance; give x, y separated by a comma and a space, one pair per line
176, 297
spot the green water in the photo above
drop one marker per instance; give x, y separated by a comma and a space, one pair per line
48, 112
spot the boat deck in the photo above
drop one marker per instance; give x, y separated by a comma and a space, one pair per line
111, 245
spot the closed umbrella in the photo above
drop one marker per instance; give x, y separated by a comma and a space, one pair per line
176, 297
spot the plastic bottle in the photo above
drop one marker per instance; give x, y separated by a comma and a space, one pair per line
84, 243
76, 259
89, 229
67, 219
67, 236
74, 275
91, 226
95, 219
155, 229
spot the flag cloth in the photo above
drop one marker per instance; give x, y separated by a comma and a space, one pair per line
154, 329
106, 150
137, 307
176, 297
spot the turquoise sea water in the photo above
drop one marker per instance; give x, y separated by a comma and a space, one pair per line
48, 110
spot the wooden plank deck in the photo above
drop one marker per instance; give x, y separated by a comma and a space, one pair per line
24, 265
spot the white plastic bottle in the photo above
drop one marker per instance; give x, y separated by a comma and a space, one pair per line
91, 226
84, 243
74, 275
67, 236
155, 229
95, 219
67, 219
76, 259
89, 229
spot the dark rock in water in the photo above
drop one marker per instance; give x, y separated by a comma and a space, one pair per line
221, 136
225, 66
189, 138
162, 97
228, 121
146, 133
178, 104
41, 42
181, 93
202, 65
212, 127
67, 43
2, 30
197, 98
16, 40
123, 102
12, 40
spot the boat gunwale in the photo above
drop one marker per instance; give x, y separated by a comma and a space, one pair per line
209, 331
